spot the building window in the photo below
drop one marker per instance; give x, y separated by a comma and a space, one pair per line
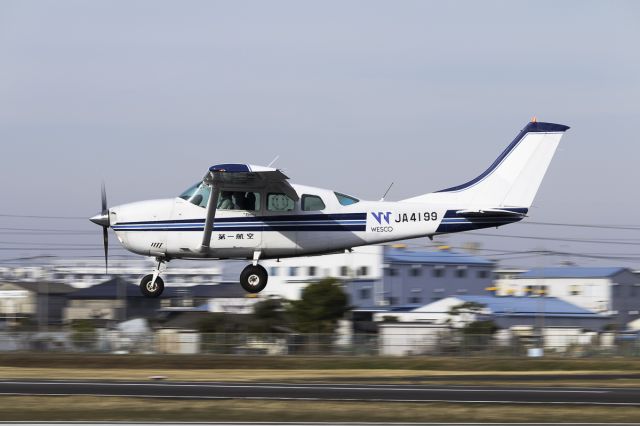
415, 295
416, 271
293, 271
364, 293
392, 272
362, 271
438, 272
574, 290
461, 273
392, 300
312, 271
344, 271
483, 274
528, 290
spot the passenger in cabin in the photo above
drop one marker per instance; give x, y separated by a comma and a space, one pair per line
239, 201
250, 201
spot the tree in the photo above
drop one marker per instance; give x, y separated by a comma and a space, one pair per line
476, 333
268, 314
321, 306
83, 334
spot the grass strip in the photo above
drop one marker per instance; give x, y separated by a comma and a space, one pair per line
225, 362
84, 408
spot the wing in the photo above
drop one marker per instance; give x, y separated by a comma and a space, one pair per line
240, 177
245, 177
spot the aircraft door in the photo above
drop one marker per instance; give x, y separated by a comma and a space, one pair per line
238, 228
236, 231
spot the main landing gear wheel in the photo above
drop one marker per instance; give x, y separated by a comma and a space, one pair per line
149, 288
254, 278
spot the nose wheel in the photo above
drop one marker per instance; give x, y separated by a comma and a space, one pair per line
254, 278
151, 288
152, 285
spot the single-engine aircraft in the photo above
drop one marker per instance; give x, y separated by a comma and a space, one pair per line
242, 211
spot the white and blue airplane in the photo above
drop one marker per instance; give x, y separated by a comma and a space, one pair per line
241, 211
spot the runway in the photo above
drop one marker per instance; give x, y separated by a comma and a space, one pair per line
329, 392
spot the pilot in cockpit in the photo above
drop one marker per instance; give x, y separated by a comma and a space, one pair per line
225, 202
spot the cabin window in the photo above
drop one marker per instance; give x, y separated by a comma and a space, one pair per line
312, 203
238, 200
279, 203
345, 200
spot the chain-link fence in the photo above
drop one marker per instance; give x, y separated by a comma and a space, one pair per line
439, 343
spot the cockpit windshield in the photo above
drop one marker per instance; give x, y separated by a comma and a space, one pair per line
197, 194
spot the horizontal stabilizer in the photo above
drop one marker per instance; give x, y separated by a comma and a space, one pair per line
493, 213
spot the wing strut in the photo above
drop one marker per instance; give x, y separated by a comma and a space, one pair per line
211, 216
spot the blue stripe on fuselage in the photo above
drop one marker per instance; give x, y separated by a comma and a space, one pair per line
310, 222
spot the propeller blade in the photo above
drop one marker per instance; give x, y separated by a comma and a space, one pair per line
104, 199
105, 241
105, 229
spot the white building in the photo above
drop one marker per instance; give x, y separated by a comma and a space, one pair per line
288, 277
610, 291
83, 273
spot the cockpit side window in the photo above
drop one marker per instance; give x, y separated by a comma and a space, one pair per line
312, 203
198, 195
346, 200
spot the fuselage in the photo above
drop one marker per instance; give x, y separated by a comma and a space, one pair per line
321, 221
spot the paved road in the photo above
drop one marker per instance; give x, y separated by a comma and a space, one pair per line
328, 392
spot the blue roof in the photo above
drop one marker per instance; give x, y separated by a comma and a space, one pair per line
528, 306
571, 272
443, 257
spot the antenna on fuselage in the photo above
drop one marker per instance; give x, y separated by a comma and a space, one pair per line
386, 192
273, 161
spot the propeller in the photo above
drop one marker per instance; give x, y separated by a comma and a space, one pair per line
102, 219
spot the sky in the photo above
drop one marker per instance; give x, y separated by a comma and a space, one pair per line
352, 95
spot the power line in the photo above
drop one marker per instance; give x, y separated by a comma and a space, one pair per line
568, 240
584, 225
41, 217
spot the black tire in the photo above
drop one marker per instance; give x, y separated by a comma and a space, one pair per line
254, 278
147, 290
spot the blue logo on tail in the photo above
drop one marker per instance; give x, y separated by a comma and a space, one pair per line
380, 216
